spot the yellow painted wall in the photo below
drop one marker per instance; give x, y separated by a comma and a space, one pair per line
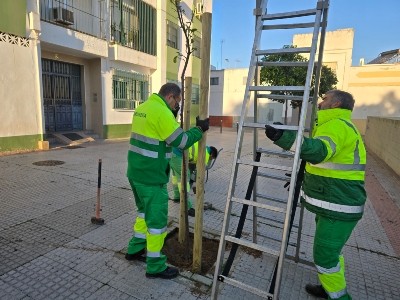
383, 138
376, 89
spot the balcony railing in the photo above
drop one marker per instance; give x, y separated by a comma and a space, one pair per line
78, 17
133, 24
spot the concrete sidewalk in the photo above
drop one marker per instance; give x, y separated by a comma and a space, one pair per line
50, 250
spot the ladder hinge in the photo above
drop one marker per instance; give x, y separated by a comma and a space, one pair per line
258, 11
221, 278
323, 4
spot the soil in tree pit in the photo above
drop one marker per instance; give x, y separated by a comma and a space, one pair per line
176, 254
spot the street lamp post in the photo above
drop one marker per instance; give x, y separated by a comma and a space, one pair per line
222, 41
229, 65
236, 62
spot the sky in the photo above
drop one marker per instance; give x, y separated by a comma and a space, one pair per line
376, 27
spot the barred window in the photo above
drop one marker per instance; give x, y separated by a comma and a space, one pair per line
196, 46
172, 35
195, 94
129, 89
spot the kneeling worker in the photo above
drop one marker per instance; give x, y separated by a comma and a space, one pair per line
154, 133
176, 166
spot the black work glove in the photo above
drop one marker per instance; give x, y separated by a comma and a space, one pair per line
272, 133
204, 125
287, 183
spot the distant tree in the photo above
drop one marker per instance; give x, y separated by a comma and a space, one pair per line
294, 76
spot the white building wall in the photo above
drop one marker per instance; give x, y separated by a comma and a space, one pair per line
19, 90
216, 102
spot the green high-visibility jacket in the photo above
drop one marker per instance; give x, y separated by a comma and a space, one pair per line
154, 133
193, 153
333, 184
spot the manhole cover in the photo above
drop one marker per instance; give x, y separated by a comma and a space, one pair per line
73, 136
49, 163
72, 147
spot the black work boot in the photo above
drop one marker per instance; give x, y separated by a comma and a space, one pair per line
168, 273
136, 256
316, 290
191, 212
176, 200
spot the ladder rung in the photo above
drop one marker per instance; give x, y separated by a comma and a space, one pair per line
281, 97
284, 51
262, 125
283, 63
287, 15
281, 221
246, 287
288, 26
266, 197
274, 238
263, 165
251, 245
263, 88
277, 153
260, 205
276, 177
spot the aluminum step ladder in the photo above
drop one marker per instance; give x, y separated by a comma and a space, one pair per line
297, 168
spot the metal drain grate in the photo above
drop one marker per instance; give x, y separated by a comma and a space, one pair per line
73, 136
49, 163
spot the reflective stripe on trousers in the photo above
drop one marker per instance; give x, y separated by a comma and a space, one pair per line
333, 279
140, 228
332, 206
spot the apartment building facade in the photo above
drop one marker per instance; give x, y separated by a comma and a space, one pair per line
84, 65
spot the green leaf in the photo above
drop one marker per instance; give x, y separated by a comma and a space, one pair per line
175, 58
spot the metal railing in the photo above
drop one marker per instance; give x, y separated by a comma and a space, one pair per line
80, 17
133, 25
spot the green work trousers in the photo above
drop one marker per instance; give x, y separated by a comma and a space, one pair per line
176, 167
150, 227
329, 240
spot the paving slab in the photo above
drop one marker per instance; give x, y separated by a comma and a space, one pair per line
50, 250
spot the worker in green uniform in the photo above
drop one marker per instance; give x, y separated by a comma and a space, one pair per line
154, 133
176, 167
333, 187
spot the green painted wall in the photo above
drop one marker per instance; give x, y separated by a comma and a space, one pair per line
172, 68
13, 17
22, 142
117, 131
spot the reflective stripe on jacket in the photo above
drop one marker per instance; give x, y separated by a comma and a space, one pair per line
334, 179
154, 133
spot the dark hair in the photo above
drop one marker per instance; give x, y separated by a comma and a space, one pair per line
213, 151
346, 99
170, 88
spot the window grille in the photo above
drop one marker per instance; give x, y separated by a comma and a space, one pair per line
172, 35
195, 94
196, 46
129, 89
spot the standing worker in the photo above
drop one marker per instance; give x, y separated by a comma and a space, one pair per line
333, 187
154, 133
176, 166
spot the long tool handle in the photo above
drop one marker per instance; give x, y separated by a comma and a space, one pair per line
98, 190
